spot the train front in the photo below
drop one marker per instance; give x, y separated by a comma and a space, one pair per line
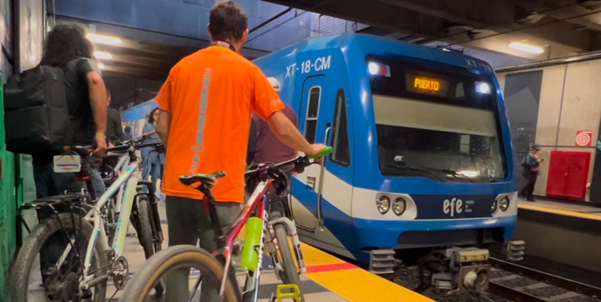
440, 188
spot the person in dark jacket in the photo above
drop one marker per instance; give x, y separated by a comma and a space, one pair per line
114, 131
67, 47
530, 169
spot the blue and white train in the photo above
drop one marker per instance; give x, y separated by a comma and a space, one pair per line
422, 169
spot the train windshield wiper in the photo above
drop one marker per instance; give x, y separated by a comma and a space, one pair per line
416, 169
456, 174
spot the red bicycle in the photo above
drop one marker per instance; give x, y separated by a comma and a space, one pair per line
262, 231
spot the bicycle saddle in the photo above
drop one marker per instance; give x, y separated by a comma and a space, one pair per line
208, 179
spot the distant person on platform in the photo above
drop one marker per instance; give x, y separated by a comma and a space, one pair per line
127, 135
530, 169
153, 158
114, 131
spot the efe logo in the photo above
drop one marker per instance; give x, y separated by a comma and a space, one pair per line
453, 206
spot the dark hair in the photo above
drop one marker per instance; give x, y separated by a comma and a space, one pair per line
151, 115
227, 21
127, 129
65, 43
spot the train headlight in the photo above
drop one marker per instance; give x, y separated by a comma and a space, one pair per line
493, 208
398, 206
383, 204
504, 203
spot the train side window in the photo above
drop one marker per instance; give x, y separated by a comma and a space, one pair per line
312, 113
342, 151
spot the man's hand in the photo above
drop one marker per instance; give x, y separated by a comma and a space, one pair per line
316, 148
100, 146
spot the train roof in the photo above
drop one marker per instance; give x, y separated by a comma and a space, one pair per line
369, 44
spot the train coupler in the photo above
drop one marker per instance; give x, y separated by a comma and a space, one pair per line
456, 269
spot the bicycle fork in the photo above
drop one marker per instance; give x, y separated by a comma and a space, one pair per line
291, 231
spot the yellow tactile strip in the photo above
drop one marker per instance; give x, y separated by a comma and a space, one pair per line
558, 211
351, 282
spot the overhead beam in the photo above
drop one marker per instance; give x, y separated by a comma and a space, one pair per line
373, 13
433, 11
562, 12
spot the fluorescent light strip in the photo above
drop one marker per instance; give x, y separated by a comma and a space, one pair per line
103, 55
104, 39
526, 47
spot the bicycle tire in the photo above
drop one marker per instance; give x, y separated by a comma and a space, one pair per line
21, 268
290, 274
170, 258
145, 233
144, 228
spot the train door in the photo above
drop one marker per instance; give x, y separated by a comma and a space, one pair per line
323, 193
305, 189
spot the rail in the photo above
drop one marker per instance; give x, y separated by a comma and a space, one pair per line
518, 293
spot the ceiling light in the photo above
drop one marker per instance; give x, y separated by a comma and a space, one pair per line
101, 66
103, 55
103, 39
526, 47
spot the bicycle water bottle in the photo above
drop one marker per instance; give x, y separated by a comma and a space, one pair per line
252, 243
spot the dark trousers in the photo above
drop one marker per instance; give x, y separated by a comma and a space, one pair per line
189, 223
529, 187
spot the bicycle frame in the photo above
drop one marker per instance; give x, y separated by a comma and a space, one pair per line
256, 204
130, 178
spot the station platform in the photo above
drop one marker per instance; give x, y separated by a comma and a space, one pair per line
327, 278
561, 239
576, 210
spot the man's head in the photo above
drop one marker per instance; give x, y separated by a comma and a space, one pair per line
228, 23
275, 84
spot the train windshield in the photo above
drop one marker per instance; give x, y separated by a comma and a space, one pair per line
437, 124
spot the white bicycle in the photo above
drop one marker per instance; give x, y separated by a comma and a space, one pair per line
73, 253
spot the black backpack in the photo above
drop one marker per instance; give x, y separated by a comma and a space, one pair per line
37, 120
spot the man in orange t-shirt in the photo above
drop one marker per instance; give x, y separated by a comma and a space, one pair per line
206, 108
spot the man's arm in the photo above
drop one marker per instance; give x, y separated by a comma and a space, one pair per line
164, 126
98, 102
287, 133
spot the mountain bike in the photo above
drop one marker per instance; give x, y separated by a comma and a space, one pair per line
261, 232
68, 256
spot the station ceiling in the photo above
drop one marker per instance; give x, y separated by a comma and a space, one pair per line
155, 34
560, 28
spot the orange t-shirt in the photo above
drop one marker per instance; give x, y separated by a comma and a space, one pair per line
211, 95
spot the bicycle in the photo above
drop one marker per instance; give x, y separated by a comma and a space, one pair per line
186, 256
79, 266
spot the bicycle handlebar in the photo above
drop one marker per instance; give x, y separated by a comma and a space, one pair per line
301, 160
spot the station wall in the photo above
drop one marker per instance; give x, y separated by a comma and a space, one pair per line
569, 103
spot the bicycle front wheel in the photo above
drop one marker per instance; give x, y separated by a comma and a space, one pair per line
289, 274
192, 260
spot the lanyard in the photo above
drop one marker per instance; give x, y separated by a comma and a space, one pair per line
223, 44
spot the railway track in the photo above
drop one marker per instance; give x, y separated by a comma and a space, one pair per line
519, 283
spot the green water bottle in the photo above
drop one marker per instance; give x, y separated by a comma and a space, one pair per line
252, 243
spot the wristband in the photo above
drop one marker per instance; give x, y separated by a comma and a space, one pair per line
101, 135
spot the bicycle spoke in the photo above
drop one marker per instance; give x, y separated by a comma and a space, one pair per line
196, 287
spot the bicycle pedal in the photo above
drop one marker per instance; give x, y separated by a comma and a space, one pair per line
294, 295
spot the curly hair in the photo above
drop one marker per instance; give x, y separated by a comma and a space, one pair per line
151, 116
65, 43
